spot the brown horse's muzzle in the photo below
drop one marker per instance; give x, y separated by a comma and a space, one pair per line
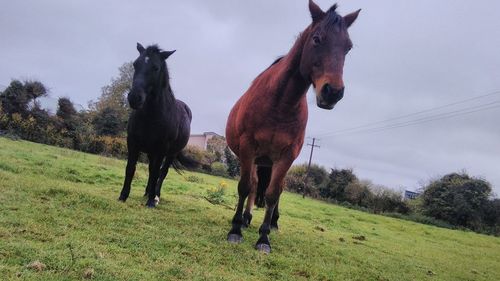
327, 96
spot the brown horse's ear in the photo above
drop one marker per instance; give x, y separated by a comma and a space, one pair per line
350, 18
166, 54
316, 13
140, 48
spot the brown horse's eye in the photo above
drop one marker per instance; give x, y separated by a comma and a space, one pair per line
316, 40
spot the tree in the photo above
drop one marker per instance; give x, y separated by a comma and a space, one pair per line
458, 199
107, 122
113, 102
338, 182
65, 109
216, 145
18, 96
233, 165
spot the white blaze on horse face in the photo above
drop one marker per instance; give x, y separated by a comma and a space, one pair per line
146, 59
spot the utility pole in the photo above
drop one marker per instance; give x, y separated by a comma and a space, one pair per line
312, 145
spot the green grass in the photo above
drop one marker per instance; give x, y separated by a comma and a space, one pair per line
59, 207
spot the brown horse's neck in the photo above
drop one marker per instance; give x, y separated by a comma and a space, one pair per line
291, 86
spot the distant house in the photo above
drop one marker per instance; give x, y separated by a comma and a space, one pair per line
201, 140
410, 195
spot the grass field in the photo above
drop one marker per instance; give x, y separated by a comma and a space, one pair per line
58, 207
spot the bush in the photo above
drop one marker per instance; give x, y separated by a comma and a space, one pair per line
387, 200
457, 199
318, 177
217, 195
359, 193
219, 169
337, 183
195, 179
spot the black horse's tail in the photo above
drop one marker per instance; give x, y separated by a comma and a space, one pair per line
264, 177
182, 161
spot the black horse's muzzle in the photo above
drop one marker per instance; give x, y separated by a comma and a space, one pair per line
135, 99
329, 96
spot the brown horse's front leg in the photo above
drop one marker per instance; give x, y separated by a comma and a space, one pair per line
272, 196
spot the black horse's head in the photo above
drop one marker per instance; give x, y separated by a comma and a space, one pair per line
150, 74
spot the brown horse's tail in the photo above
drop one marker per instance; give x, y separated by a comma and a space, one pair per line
264, 177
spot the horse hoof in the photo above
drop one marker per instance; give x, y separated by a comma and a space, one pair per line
122, 199
234, 238
151, 204
263, 248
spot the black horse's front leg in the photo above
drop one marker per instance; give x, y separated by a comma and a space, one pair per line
133, 155
154, 171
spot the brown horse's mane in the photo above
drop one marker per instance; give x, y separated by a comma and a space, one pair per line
276, 76
287, 65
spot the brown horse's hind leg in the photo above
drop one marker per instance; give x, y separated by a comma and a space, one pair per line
272, 196
244, 187
247, 215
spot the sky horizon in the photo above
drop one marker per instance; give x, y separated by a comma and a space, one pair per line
430, 68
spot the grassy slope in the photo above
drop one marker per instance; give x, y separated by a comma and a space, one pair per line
57, 203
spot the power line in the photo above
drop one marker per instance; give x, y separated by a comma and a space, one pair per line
441, 116
411, 114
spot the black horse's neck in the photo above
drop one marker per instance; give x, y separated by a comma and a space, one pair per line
161, 99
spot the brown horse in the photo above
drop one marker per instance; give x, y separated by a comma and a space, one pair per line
266, 127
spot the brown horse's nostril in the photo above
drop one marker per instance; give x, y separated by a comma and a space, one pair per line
331, 95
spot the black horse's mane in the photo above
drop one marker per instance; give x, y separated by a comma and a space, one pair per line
153, 49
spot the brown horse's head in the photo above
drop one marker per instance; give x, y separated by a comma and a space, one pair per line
323, 55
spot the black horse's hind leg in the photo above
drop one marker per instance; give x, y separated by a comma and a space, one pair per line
154, 171
133, 155
163, 174
161, 171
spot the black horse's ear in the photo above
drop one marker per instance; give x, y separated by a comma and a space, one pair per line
350, 18
316, 13
140, 48
166, 54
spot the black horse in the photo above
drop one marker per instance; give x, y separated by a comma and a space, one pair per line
159, 124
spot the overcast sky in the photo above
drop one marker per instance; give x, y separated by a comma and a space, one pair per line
408, 56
